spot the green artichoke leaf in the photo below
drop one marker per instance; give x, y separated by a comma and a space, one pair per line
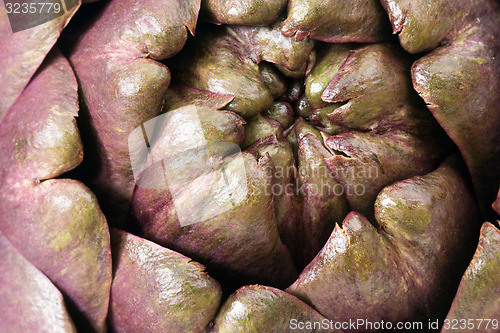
336, 21
375, 86
282, 112
196, 117
294, 90
246, 12
301, 128
330, 58
273, 79
215, 60
186, 142
477, 296
400, 271
318, 117
260, 127
424, 24
265, 309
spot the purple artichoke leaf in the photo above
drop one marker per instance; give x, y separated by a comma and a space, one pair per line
427, 202
28, 300
183, 144
22, 52
365, 271
246, 12
373, 83
287, 202
47, 142
293, 58
423, 24
360, 21
174, 292
364, 163
265, 309
181, 96
460, 83
400, 271
231, 203
69, 239
477, 296
324, 201
123, 85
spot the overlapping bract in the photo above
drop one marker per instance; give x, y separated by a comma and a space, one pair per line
28, 300
477, 296
23, 52
460, 83
399, 271
123, 84
56, 224
169, 291
193, 190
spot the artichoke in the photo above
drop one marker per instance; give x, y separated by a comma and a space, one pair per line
253, 166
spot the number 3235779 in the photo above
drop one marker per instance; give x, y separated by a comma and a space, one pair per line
470, 324
33, 8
